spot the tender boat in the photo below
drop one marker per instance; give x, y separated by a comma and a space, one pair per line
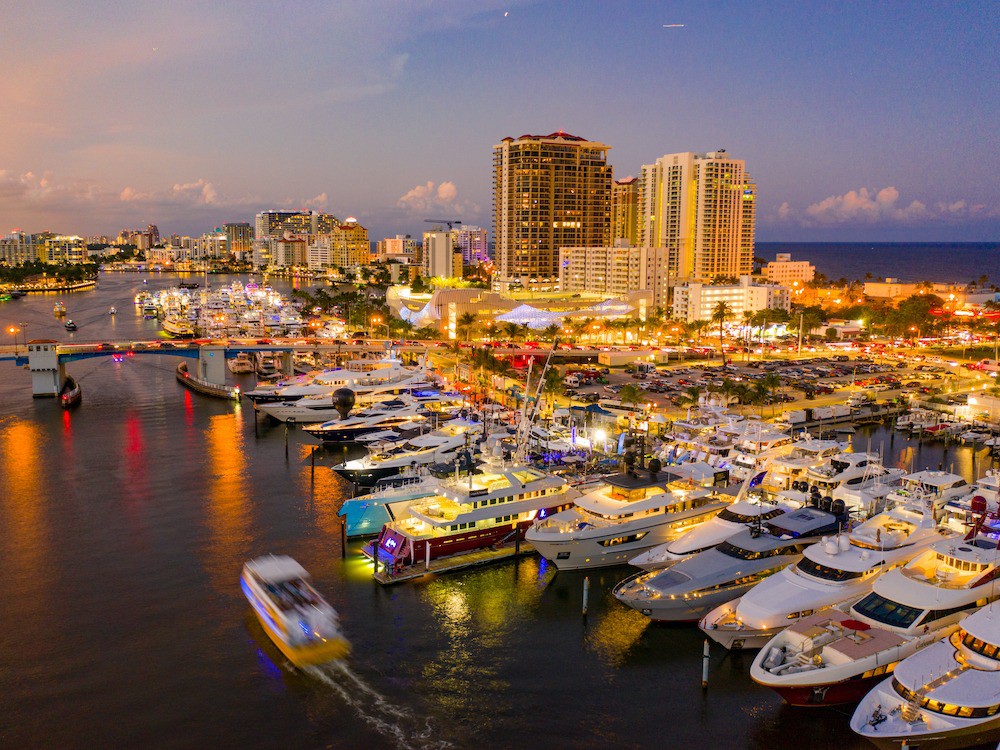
71, 394
841, 568
112, 311
69, 325
686, 592
293, 614
470, 513
626, 514
836, 655
945, 696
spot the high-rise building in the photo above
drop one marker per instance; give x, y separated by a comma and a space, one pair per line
617, 271
549, 191
703, 206
238, 240
472, 241
624, 210
697, 301
439, 255
276, 223
401, 248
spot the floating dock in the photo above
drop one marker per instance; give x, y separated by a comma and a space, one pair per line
451, 564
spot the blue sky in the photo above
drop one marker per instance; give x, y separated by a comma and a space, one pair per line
858, 120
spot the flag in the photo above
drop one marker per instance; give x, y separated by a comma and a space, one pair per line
756, 481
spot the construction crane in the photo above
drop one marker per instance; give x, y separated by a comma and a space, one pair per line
443, 221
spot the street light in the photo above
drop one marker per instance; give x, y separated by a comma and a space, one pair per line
376, 321
13, 332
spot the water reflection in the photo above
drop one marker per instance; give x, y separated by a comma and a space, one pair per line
228, 504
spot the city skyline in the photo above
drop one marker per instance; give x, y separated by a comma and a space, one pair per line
856, 122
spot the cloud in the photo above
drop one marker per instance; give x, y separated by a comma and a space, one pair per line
319, 203
430, 196
200, 191
880, 207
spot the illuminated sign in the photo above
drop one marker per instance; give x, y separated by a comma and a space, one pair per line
390, 543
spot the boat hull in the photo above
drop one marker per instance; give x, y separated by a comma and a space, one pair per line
832, 694
321, 652
369, 476
683, 609
736, 640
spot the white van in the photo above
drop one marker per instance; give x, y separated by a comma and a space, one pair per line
646, 368
571, 381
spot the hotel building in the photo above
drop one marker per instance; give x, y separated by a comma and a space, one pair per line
697, 301
549, 191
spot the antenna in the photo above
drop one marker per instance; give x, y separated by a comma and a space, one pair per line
443, 221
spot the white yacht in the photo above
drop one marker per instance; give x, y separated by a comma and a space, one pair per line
685, 592
945, 696
841, 568
627, 514
389, 500
936, 487
360, 376
804, 455
241, 364
387, 415
986, 487
730, 521
444, 444
760, 443
837, 654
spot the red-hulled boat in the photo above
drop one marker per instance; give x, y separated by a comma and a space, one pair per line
71, 394
470, 513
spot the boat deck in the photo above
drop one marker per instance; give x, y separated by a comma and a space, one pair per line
451, 564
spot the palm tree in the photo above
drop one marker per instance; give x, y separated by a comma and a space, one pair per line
697, 327
553, 386
551, 331
690, 397
466, 322
630, 394
511, 330
720, 314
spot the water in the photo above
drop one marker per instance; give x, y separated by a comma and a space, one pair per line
910, 261
126, 522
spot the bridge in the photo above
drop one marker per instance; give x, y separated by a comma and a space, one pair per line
47, 359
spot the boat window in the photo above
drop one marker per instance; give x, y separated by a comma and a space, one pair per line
937, 614
825, 572
727, 548
989, 650
622, 539
948, 709
886, 611
729, 515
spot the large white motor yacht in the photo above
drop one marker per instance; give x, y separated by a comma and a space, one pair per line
685, 592
397, 414
837, 654
841, 568
945, 696
626, 514
804, 455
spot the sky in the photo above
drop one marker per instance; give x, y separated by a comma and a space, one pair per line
859, 121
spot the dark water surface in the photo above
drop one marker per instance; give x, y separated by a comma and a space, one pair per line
124, 527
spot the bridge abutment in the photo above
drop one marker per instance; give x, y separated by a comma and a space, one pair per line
47, 373
212, 364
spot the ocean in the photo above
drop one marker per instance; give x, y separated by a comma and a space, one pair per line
908, 261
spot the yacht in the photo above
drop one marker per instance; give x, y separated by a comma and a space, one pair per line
241, 364
471, 513
442, 445
387, 415
686, 591
836, 655
359, 375
626, 514
841, 568
945, 696
59, 309
842, 469
69, 325
936, 487
314, 409
389, 500
112, 311
293, 614
730, 521
804, 455
178, 327
760, 443
987, 488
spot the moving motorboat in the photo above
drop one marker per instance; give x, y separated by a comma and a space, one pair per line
841, 568
303, 626
836, 655
688, 590
112, 311
944, 696
71, 394
69, 325
628, 513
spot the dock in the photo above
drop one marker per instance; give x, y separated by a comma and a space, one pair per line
451, 564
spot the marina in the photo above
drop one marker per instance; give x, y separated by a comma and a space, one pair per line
110, 496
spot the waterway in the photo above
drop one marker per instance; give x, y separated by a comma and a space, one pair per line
124, 527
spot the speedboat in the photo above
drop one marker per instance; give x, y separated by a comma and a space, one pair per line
685, 592
730, 521
293, 614
387, 415
472, 512
836, 655
69, 325
112, 311
59, 309
71, 394
441, 445
841, 568
944, 696
626, 514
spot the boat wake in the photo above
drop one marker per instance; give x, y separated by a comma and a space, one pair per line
393, 721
